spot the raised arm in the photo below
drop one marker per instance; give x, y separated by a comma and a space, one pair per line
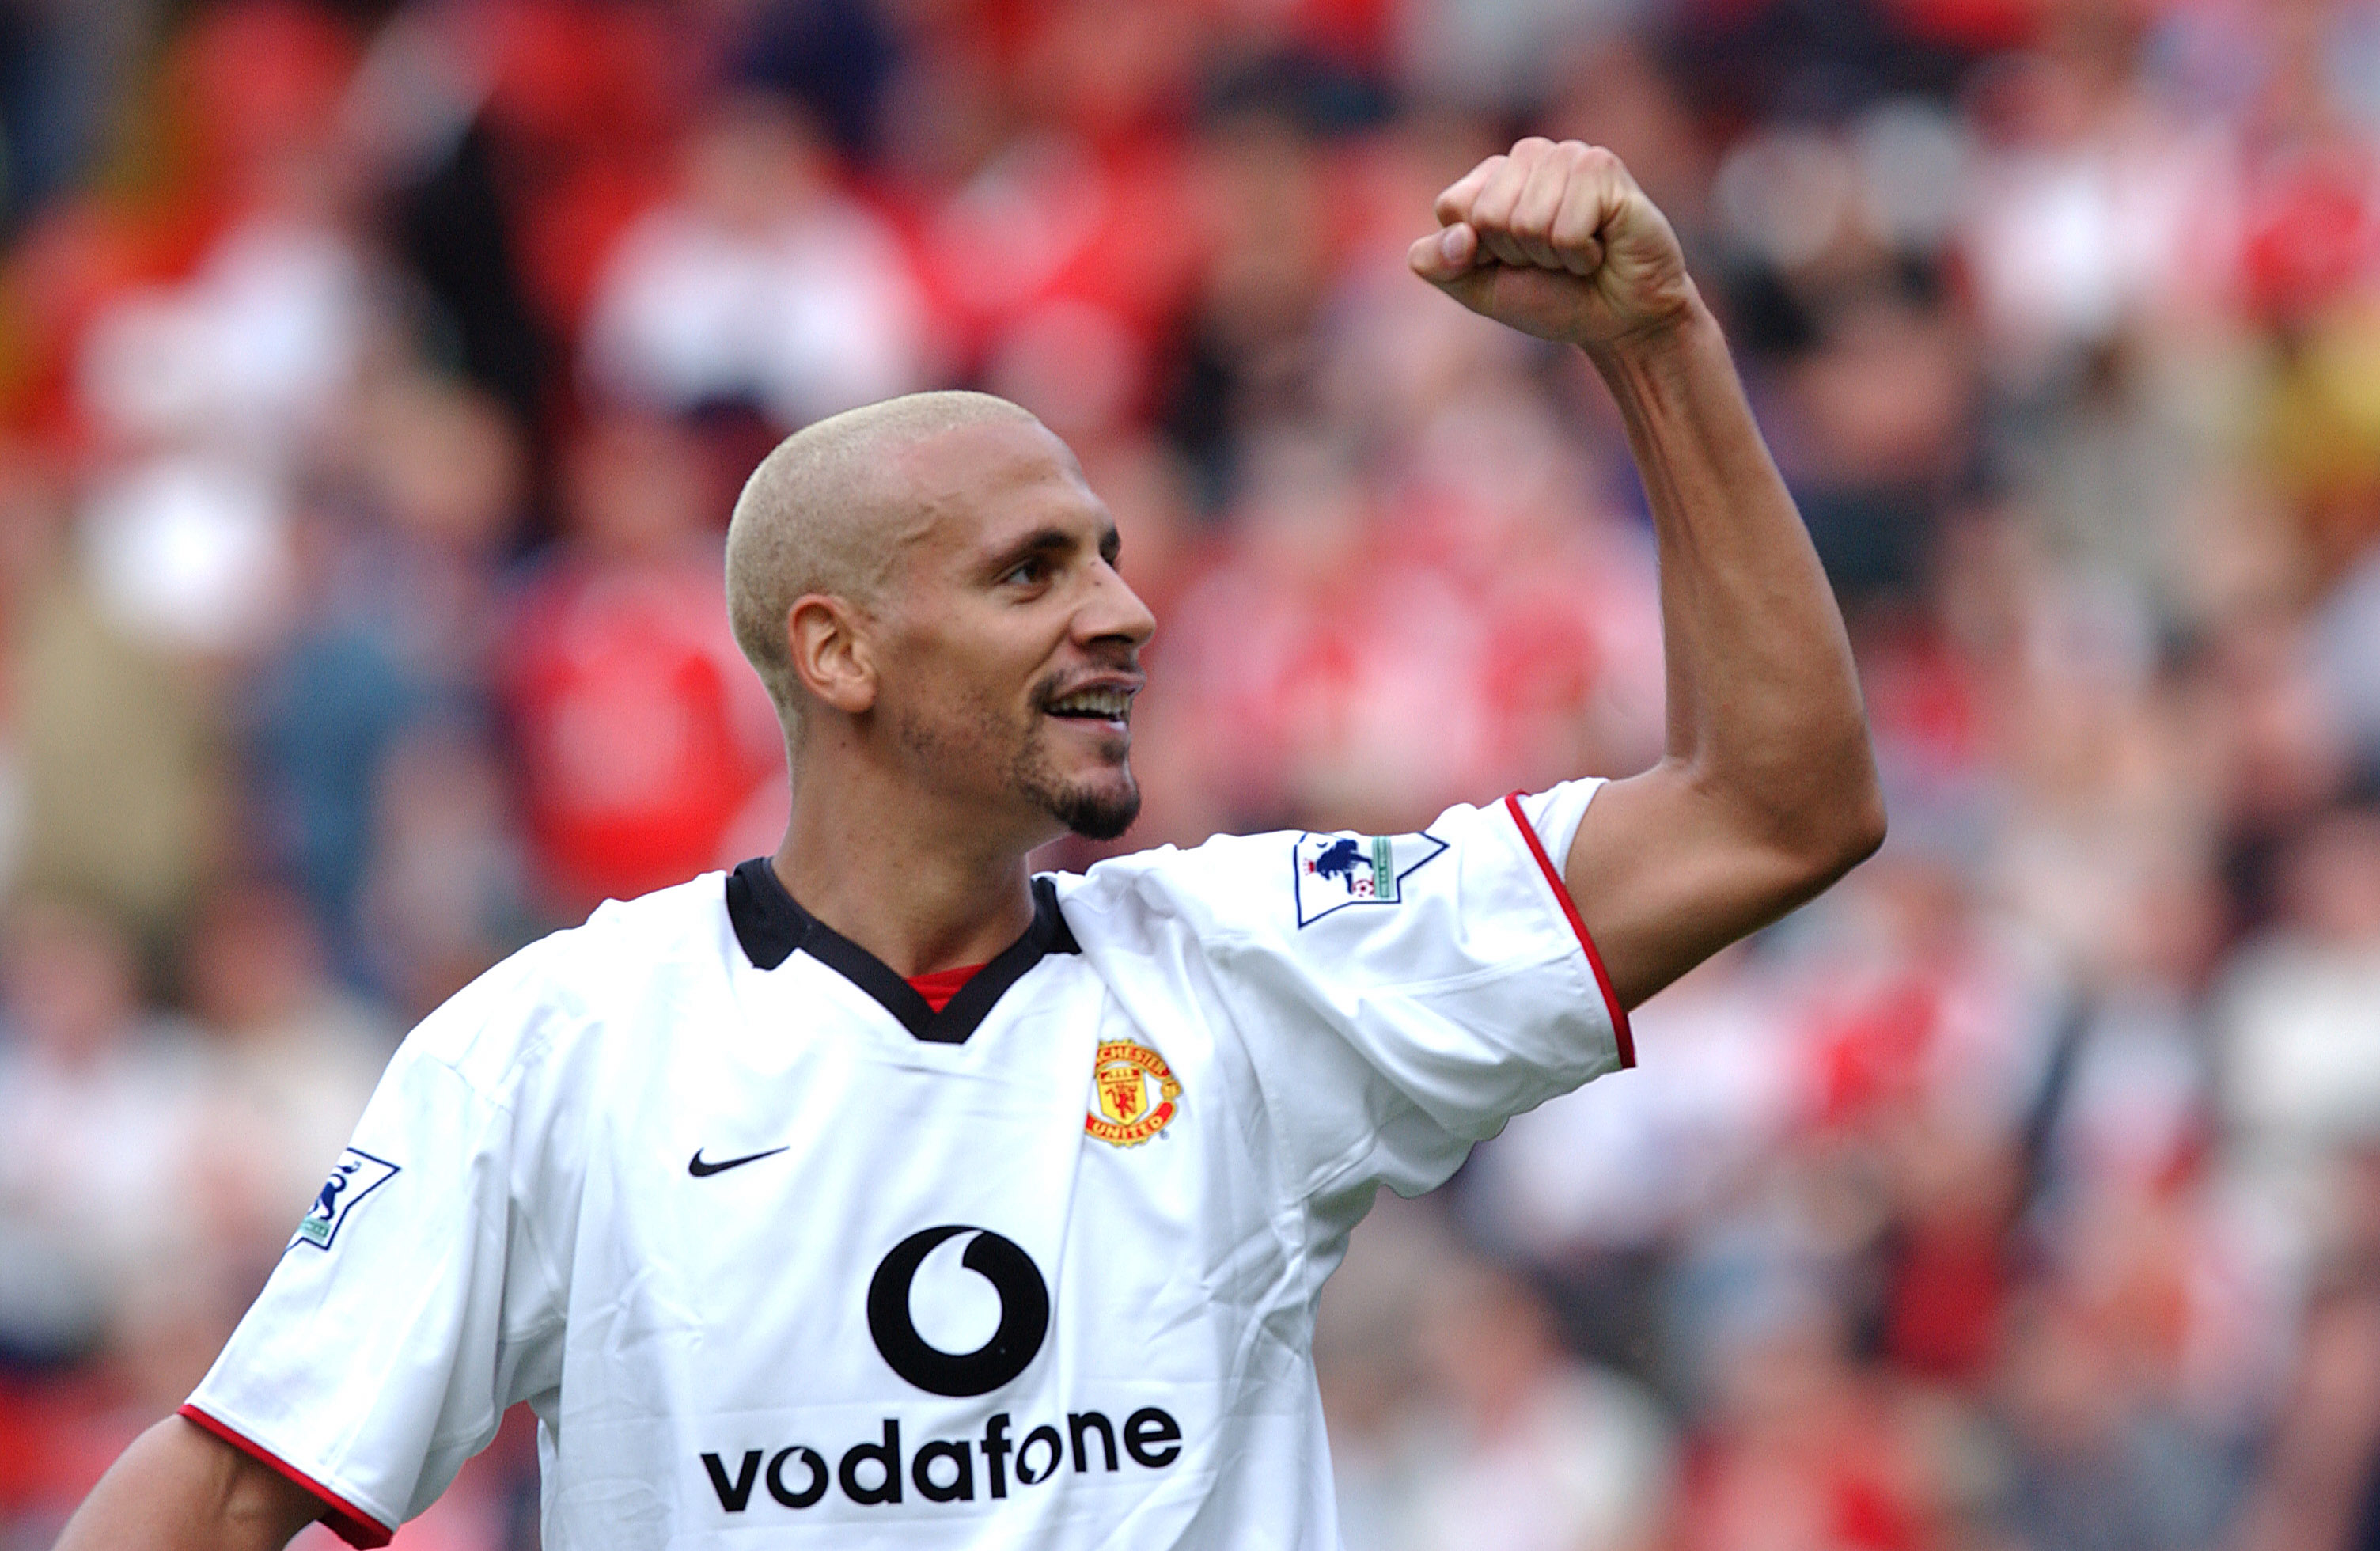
1766, 791
178, 1488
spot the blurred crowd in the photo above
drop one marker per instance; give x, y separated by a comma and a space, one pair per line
375, 379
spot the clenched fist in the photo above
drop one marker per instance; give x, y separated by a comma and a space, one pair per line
1557, 241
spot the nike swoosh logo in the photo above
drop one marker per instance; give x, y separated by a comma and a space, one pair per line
701, 1171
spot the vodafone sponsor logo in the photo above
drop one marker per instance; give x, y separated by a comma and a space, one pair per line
877, 1470
1024, 1313
944, 1470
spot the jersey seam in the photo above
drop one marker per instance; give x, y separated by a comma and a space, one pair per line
554, 989
557, 1289
1301, 1192
484, 1213
1335, 1174
501, 1224
530, 1051
441, 1437
1331, 1176
570, 1020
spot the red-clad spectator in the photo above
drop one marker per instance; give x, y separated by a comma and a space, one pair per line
639, 731
582, 101
2312, 206
1955, 1197
1494, 607
2312, 226
243, 121
1055, 223
1802, 1450
1977, 27
1079, 234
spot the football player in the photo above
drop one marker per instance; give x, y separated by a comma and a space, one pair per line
878, 1190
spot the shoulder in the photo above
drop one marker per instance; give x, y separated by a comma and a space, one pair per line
1206, 889
574, 987
1284, 880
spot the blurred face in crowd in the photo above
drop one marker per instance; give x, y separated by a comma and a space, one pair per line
753, 162
1008, 645
2331, 879
1486, 1341
72, 991
254, 959
634, 489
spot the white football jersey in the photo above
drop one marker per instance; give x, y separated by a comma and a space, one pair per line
781, 1255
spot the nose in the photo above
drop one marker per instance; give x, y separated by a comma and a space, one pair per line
1114, 612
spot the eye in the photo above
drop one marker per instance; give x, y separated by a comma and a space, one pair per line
1025, 573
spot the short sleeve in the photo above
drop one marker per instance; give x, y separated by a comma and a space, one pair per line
1400, 996
414, 1303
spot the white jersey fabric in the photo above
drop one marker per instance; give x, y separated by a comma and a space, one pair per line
779, 1256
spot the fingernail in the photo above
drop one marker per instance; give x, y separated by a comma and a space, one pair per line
1449, 242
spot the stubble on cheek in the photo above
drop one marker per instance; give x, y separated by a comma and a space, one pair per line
967, 746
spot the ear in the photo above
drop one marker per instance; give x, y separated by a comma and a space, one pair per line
829, 652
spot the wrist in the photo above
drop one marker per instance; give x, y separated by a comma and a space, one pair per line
1650, 364
1670, 336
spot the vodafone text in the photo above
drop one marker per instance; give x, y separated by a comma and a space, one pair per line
942, 1469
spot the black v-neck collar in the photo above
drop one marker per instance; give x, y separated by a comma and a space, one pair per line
772, 925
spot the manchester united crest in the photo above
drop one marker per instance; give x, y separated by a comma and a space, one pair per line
1133, 1093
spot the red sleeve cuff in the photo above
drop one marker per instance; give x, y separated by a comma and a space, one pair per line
353, 1525
1620, 1031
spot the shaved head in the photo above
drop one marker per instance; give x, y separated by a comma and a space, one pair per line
831, 511
928, 588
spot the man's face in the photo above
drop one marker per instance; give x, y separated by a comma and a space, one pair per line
1008, 645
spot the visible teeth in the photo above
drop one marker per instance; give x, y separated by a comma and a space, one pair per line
1095, 702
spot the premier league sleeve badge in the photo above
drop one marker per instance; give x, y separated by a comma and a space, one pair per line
354, 1176
1334, 872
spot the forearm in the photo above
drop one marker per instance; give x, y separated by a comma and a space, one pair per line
1764, 714
178, 1489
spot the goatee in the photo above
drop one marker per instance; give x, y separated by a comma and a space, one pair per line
1094, 814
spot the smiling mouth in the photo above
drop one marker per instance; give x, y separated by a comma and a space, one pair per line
1093, 705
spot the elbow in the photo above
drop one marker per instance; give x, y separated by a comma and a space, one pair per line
1834, 822
1864, 829
1810, 821
1827, 846
1852, 826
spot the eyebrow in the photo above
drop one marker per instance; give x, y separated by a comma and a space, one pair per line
1053, 541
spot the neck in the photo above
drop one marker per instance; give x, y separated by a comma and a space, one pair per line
920, 885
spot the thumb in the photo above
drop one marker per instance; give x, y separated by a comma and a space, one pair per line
1445, 256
